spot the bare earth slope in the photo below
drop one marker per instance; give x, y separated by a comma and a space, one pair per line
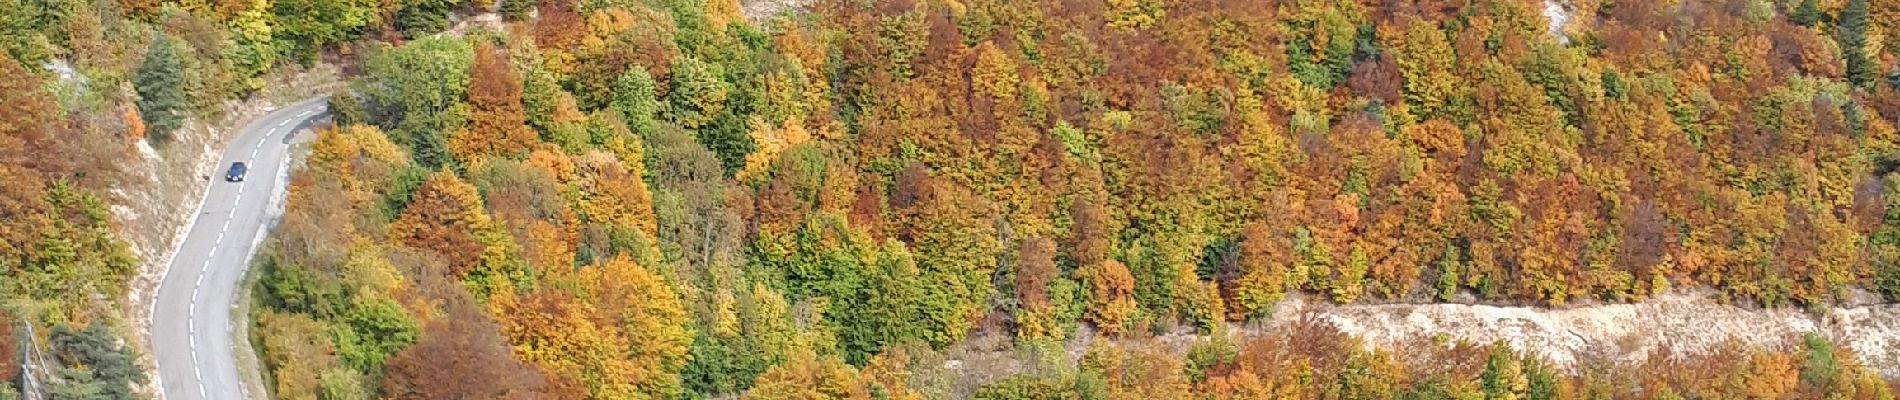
758, 10
1686, 323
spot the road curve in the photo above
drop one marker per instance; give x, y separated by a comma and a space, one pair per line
191, 320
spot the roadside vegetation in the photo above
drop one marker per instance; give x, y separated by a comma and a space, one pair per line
84, 84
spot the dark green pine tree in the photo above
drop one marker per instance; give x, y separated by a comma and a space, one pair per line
1851, 31
1806, 14
516, 10
96, 364
159, 81
418, 18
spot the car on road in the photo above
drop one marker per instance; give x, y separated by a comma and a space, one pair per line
236, 173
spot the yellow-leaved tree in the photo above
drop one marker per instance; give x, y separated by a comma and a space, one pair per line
809, 376
771, 140
648, 313
558, 332
615, 327
1111, 290
611, 195
361, 157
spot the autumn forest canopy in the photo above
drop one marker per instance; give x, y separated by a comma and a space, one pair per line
664, 199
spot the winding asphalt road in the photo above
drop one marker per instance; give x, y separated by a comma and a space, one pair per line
191, 321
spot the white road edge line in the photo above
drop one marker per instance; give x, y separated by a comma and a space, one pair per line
178, 244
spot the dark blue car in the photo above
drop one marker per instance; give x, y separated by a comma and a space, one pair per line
236, 174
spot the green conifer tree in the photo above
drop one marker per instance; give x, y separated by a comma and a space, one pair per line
1806, 14
634, 99
159, 81
1851, 31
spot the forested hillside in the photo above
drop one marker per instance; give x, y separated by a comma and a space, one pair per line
660, 199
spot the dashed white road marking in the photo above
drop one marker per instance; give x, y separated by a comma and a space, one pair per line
191, 324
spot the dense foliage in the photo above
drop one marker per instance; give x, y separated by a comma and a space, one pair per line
660, 199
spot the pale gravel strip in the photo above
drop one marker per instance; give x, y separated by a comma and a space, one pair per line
1688, 323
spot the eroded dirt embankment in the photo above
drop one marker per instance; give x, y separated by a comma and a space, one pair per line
1684, 323
1687, 323
760, 10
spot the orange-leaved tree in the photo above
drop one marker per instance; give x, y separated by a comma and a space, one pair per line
497, 122
445, 215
